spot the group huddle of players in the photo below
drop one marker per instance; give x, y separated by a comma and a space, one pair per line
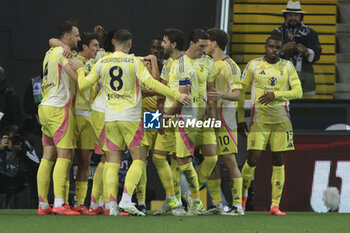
94, 99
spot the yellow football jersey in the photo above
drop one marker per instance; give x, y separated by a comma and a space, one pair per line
280, 78
166, 69
206, 72
121, 75
84, 99
183, 73
228, 78
55, 86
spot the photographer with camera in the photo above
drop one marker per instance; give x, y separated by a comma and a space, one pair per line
300, 45
18, 165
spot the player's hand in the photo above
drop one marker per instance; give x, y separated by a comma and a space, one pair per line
302, 49
75, 64
67, 52
288, 46
150, 57
267, 98
215, 95
242, 129
99, 30
184, 99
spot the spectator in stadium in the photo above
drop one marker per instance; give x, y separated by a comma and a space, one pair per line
18, 166
300, 45
10, 113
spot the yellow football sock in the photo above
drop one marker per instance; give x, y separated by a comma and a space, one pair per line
133, 176
60, 173
192, 179
43, 179
80, 191
277, 182
105, 192
141, 187
66, 197
175, 170
214, 187
236, 189
247, 175
164, 173
205, 169
112, 181
97, 184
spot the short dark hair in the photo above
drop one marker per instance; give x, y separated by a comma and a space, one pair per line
175, 35
273, 38
66, 27
219, 36
122, 36
108, 46
198, 34
86, 38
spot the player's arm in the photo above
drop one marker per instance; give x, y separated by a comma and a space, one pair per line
211, 101
84, 82
67, 52
184, 88
246, 81
143, 75
296, 92
151, 64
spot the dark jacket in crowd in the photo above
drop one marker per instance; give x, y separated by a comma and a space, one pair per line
307, 37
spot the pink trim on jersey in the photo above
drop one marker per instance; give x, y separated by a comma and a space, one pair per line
136, 141
125, 190
186, 139
102, 137
226, 126
111, 145
93, 199
46, 140
252, 116
137, 88
62, 129
97, 149
286, 108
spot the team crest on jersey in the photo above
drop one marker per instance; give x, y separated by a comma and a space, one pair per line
243, 75
272, 81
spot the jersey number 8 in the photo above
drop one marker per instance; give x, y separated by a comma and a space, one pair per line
116, 78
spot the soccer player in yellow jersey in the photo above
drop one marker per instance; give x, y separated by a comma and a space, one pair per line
227, 90
55, 114
173, 42
84, 134
274, 82
121, 74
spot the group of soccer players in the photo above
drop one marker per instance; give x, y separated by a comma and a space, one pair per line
94, 99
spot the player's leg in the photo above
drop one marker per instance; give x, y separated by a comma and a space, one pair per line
114, 159
214, 187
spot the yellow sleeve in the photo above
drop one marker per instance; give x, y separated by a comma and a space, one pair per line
296, 91
235, 79
85, 82
213, 72
246, 80
62, 59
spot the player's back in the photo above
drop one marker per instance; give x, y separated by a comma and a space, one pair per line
55, 85
121, 76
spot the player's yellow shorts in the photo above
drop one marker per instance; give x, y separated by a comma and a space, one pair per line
205, 136
185, 141
120, 134
279, 135
84, 133
151, 135
98, 123
58, 126
227, 141
166, 141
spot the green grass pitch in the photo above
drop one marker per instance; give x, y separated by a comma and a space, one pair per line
26, 221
